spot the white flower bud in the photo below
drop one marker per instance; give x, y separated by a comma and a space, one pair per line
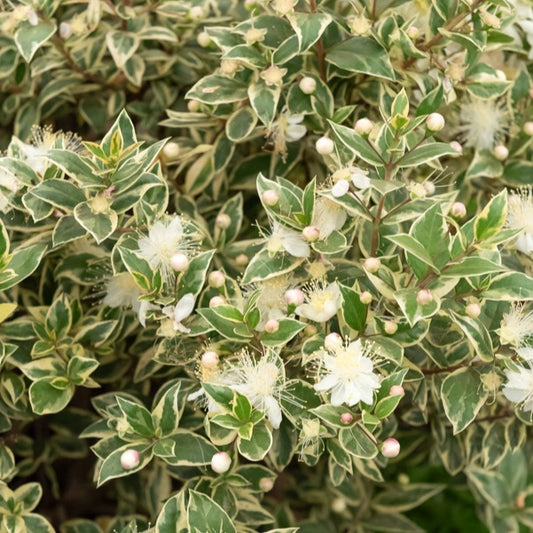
333, 342
396, 390
363, 126
372, 264
65, 30
390, 327
324, 146
179, 262
424, 297
210, 359
528, 128
242, 260
270, 197
457, 147
229, 66
435, 122
223, 221
130, 459
473, 310
271, 325
254, 35
413, 32
216, 279
338, 505
273, 75
266, 484
500, 152
360, 25
220, 462
346, 418
311, 233
197, 13
193, 106
307, 85
294, 297
458, 210
365, 297
390, 448
216, 301
171, 150
203, 39
32, 17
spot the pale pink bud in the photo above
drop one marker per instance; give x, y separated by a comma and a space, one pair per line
220, 462
363, 126
390, 448
500, 152
424, 297
333, 342
396, 390
307, 85
130, 459
365, 297
65, 30
294, 297
325, 146
456, 146
413, 32
266, 484
270, 197
33, 19
242, 260
216, 301
346, 418
193, 106
458, 210
338, 505
435, 122
223, 221
203, 39
216, 279
528, 128
473, 310
311, 233
179, 262
210, 359
372, 264
520, 501
271, 325
390, 327
197, 13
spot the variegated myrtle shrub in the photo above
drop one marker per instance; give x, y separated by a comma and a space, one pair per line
266, 265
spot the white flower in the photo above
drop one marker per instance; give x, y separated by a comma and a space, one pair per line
122, 291
284, 239
483, 123
516, 327
519, 387
526, 353
520, 216
180, 312
322, 303
164, 240
261, 381
348, 374
328, 217
295, 130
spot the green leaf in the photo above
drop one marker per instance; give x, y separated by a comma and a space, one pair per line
99, 225
471, 266
173, 515
166, 414
357, 144
137, 416
510, 286
217, 89
241, 124
477, 334
59, 193
122, 46
362, 55
185, 448
258, 445
265, 265
353, 310
424, 154
491, 485
228, 321
23, 263
414, 247
356, 441
111, 468
66, 230
47, 398
264, 100
489, 222
400, 498
80, 368
412, 310
193, 279
463, 395
204, 515
309, 27
288, 329
30, 38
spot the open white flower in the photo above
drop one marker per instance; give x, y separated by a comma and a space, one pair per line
122, 291
516, 327
180, 312
520, 216
290, 241
348, 373
322, 303
164, 240
519, 387
262, 381
328, 217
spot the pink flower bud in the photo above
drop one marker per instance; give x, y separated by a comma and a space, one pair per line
272, 326
458, 210
223, 221
500, 152
435, 122
216, 301
390, 448
294, 297
473, 310
242, 260
216, 279
413, 32
396, 390
424, 297
220, 462
65, 30
333, 342
325, 146
266, 484
372, 264
528, 128
307, 85
346, 418
457, 147
193, 106
270, 197
390, 327
130, 459
363, 126
179, 262
311, 233
210, 359
520, 501
365, 297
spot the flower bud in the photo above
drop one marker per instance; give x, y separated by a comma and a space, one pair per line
528, 128
266, 484
216, 301
65, 30
254, 35
372, 264
365, 297
99, 204
197, 13
456, 146
270, 197
333, 342
203, 39
396, 390
325, 145
307, 85
271, 325
413, 32
346, 418
193, 106
360, 25
338, 505
390, 327
273, 75
340, 188
179, 262
171, 150
311, 233
294, 297
424, 297
520, 501
500, 152
242, 260
435, 122
229, 66
216, 279
458, 210
489, 18
363, 126
390, 448
32, 17
223, 221
210, 359
220, 462
130, 459
473, 310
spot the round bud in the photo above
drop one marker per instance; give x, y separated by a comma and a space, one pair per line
216, 279
372, 264
333, 342
273, 75
65, 30
390, 327
216, 301
193, 106
424, 297
363, 126
429, 186
396, 390
58, 213
254, 35
210, 359
473, 310
338, 505
390, 448
458, 210
520, 501
294, 297
32, 17
270, 197
242, 260
196, 13
272, 325
266, 484
251, 4
179, 262
229, 66
311, 233
220, 462
203, 39
500, 152
310, 330
528, 128
435, 122
403, 479
346, 418
325, 146
413, 32
130, 459
365, 297
223, 221
171, 150
457, 147
307, 85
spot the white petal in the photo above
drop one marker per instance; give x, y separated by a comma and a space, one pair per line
526, 353
184, 307
340, 188
338, 395
326, 383
296, 246
360, 180
272, 411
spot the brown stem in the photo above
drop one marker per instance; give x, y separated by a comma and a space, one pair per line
432, 371
321, 55
377, 218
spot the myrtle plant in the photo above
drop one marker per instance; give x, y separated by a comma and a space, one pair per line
266, 265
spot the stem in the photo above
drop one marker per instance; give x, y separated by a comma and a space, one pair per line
321, 55
377, 219
432, 371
